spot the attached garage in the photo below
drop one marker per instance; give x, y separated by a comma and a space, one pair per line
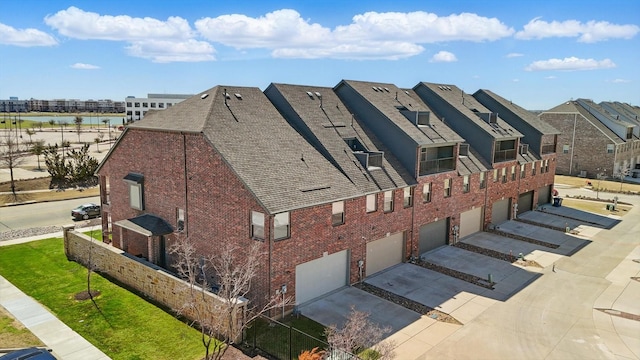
384, 253
544, 195
500, 211
470, 222
433, 235
318, 277
525, 202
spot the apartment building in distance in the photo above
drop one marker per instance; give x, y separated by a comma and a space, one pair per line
137, 108
334, 184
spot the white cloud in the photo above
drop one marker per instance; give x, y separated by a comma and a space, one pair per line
515, 80
25, 37
589, 32
165, 51
82, 66
513, 55
370, 36
160, 41
570, 64
550, 77
620, 81
79, 24
444, 56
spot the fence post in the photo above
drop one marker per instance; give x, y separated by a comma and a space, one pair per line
290, 342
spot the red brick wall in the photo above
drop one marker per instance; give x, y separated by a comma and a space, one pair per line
590, 145
218, 206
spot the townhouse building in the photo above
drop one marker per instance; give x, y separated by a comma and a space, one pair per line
595, 140
334, 184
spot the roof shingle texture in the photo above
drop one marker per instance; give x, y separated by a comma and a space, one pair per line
278, 166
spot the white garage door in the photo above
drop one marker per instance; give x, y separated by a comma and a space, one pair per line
383, 253
470, 222
500, 211
318, 277
433, 235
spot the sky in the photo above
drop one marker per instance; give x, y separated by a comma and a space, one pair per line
538, 54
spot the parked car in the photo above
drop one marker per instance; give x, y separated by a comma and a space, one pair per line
32, 353
86, 211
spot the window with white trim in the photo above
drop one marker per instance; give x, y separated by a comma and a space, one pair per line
523, 170
426, 192
483, 180
337, 213
408, 196
136, 190
372, 203
281, 228
447, 188
257, 225
465, 184
388, 201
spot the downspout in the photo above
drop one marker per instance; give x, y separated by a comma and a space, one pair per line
573, 140
186, 181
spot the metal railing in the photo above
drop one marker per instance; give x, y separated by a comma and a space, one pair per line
438, 165
504, 155
285, 342
548, 148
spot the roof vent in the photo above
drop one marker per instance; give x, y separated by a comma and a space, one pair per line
386, 89
227, 95
374, 88
204, 96
406, 92
310, 94
238, 96
448, 88
318, 94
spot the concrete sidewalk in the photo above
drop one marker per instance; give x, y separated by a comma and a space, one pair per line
65, 343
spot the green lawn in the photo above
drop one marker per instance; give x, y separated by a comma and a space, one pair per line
128, 328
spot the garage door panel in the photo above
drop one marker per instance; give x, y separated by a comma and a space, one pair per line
384, 253
318, 277
525, 202
544, 195
500, 211
470, 222
433, 235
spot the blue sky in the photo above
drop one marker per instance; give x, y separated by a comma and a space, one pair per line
536, 53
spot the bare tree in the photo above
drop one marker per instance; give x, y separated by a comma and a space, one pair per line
231, 271
97, 140
78, 122
11, 156
360, 335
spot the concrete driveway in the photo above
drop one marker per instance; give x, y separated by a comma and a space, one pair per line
567, 243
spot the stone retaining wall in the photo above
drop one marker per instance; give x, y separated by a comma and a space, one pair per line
142, 276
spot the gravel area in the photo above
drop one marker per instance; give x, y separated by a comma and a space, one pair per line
496, 254
407, 303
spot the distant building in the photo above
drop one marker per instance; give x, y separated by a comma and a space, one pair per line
597, 139
136, 108
61, 105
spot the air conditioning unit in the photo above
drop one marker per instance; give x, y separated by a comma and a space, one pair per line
180, 225
524, 149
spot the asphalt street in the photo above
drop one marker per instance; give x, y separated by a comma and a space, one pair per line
55, 213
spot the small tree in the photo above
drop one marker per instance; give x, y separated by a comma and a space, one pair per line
11, 157
56, 166
105, 121
232, 270
78, 122
360, 335
37, 149
39, 125
52, 123
97, 141
30, 132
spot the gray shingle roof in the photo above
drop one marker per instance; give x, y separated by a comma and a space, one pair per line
387, 98
468, 106
471, 163
330, 125
277, 165
531, 118
571, 107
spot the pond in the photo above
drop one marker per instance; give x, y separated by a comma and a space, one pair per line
94, 119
